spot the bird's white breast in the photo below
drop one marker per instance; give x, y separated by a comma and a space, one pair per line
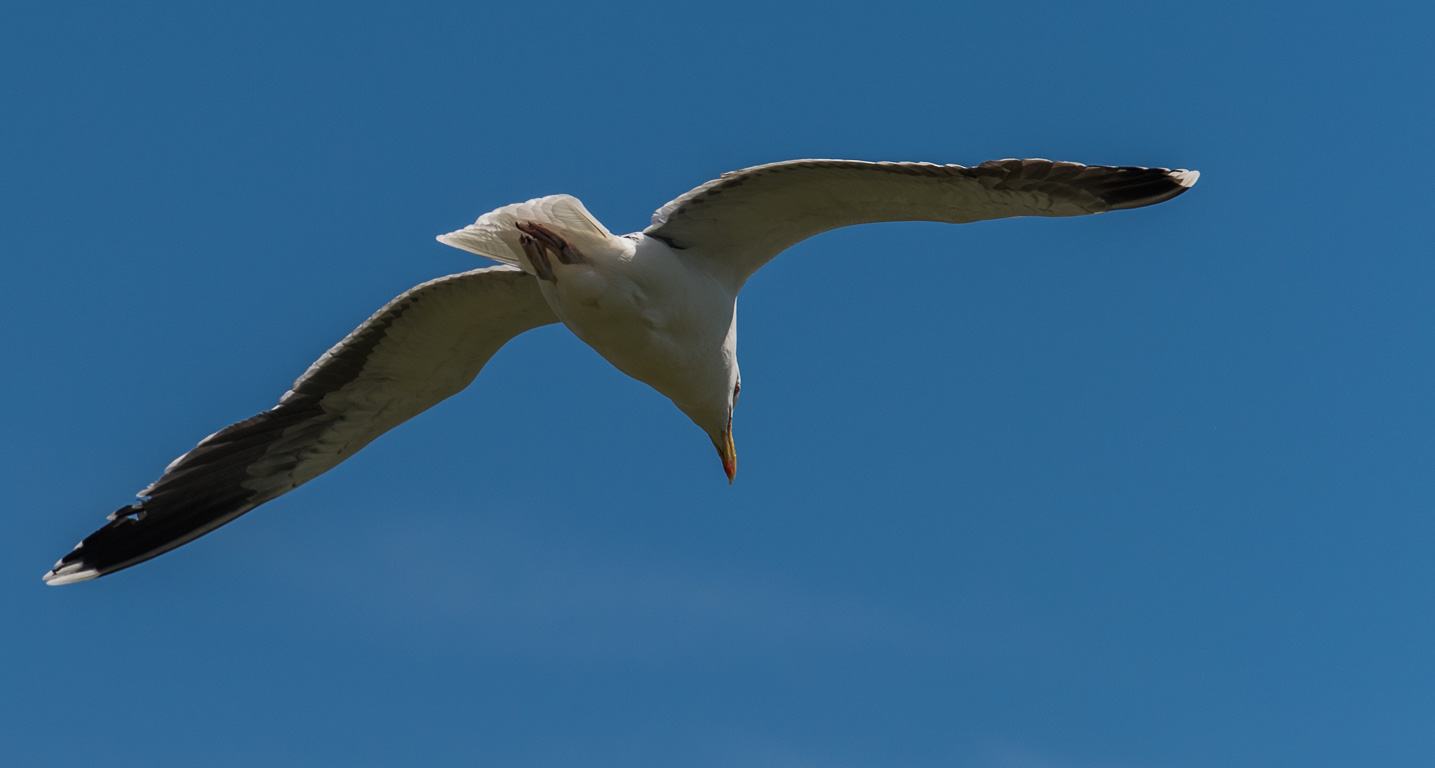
650, 313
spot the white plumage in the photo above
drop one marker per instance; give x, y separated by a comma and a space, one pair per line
660, 305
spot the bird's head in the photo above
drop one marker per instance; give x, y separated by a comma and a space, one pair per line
714, 416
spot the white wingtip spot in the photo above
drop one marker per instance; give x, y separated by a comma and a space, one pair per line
1186, 179
69, 575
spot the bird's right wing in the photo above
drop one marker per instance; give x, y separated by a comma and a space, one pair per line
422, 347
740, 221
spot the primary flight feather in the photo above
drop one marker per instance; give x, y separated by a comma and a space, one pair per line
658, 304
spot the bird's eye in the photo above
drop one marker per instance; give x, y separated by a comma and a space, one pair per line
737, 388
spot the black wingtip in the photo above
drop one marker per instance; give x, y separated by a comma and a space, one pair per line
133, 536
199, 492
1140, 187
1116, 187
120, 543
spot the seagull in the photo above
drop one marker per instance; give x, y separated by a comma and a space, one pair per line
660, 305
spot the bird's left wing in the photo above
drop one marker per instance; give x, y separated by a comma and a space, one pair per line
740, 221
420, 348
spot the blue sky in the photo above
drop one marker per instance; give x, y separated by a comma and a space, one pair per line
1146, 490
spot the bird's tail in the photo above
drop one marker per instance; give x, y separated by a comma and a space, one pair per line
495, 234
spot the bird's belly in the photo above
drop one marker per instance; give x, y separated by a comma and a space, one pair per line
635, 341
654, 339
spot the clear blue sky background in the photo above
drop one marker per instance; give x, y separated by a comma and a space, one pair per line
1145, 490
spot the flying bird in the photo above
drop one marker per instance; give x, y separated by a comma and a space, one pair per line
660, 305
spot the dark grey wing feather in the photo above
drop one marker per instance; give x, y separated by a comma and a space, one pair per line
743, 219
420, 348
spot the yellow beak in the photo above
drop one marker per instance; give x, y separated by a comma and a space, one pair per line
728, 453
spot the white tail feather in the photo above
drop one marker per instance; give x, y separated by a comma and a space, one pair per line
495, 234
